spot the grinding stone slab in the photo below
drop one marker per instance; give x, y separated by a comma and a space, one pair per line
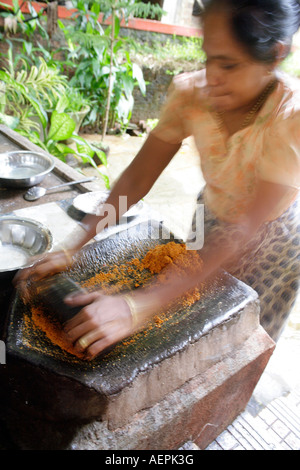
110, 373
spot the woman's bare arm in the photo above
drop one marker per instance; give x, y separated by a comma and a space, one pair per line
214, 254
136, 181
105, 320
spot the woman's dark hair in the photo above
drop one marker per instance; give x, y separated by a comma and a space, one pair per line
261, 24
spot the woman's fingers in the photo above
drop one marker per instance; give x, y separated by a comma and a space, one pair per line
76, 300
86, 318
99, 346
89, 338
96, 341
51, 263
26, 273
103, 321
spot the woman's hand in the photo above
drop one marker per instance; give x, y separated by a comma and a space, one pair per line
103, 321
51, 263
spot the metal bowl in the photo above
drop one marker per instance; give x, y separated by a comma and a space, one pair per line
20, 240
22, 169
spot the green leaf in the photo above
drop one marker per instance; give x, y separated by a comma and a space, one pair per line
64, 149
15, 5
62, 104
107, 31
33, 137
95, 8
53, 148
138, 75
96, 67
118, 46
102, 156
89, 150
61, 25
22, 90
9, 7
62, 126
85, 150
128, 85
89, 28
9, 121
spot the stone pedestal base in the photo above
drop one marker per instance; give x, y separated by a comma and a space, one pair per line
198, 411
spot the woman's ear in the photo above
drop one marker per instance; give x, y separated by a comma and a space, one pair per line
282, 50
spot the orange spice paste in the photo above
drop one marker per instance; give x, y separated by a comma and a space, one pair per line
131, 274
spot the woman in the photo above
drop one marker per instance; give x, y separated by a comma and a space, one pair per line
245, 119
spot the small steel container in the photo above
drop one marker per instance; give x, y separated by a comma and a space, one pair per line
23, 169
20, 240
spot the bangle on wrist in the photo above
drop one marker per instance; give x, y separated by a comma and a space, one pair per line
68, 256
141, 308
133, 309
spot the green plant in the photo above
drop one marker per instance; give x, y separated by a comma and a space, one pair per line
177, 54
30, 91
73, 100
102, 64
29, 94
34, 42
61, 129
15, 20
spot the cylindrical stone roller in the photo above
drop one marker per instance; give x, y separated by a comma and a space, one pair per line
52, 292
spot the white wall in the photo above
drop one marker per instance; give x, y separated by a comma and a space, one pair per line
179, 12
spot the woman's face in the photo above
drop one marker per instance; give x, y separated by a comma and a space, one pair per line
234, 78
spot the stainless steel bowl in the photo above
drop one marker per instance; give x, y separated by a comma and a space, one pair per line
20, 240
23, 169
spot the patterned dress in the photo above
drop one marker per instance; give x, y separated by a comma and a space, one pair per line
267, 150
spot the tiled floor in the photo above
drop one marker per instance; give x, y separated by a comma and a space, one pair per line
275, 427
271, 420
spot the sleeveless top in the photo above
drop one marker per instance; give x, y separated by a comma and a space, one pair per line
268, 149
